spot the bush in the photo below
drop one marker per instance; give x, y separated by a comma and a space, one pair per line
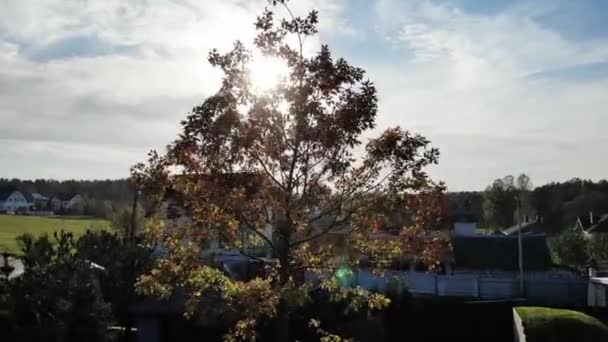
63, 297
570, 248
555, 325
59, 297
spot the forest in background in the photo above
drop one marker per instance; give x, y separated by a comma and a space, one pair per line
118, 190
106, 199
558, 203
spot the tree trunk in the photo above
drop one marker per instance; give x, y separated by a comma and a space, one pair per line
131, 233
283, 322
283, 310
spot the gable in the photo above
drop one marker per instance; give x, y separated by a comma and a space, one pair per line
16, 196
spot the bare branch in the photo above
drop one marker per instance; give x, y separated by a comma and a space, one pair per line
335, 222
257, 232
276, 181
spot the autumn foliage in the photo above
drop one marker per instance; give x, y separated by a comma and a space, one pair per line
292, 161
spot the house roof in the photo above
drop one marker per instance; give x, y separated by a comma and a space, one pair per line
600, 225
38, 196
534, 226
64, 196
28, 196
501, 252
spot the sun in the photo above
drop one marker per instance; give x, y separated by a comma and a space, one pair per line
267, 72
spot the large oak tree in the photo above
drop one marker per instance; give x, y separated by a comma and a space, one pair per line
292, 160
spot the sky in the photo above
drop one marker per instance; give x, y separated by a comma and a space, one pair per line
500, 87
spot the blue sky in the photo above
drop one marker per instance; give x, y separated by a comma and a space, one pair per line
501, 87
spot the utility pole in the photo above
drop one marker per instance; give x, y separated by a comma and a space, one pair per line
520, 252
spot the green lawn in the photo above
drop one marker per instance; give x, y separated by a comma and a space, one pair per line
556, 325
12, 226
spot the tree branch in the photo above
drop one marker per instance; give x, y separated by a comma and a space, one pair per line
276, 181
258, 233
325, 231
294, 19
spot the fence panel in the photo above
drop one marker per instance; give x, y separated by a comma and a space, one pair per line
492, 288
458, 286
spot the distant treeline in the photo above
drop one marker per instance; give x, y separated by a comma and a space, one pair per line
107, 199
559, 204
118, 190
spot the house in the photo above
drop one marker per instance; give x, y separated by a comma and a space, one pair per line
71, 202
14, 200
40, 201
592, 224
64, 201
178, 214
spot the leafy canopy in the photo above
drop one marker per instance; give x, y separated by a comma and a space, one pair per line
289, 166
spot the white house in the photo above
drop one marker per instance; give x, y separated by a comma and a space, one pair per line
69, 204
14, 200
64, 201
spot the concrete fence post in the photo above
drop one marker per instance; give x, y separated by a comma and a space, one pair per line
518, 328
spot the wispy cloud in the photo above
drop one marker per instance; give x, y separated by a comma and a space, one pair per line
88, 86
477, 85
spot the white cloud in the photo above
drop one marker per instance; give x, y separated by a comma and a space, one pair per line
463, 79
466, 85
86, 116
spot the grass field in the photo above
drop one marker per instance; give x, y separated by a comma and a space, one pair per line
12, 226
556, 325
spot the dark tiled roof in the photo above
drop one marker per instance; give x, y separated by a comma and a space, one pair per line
38, 196
28, 196
500, 252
